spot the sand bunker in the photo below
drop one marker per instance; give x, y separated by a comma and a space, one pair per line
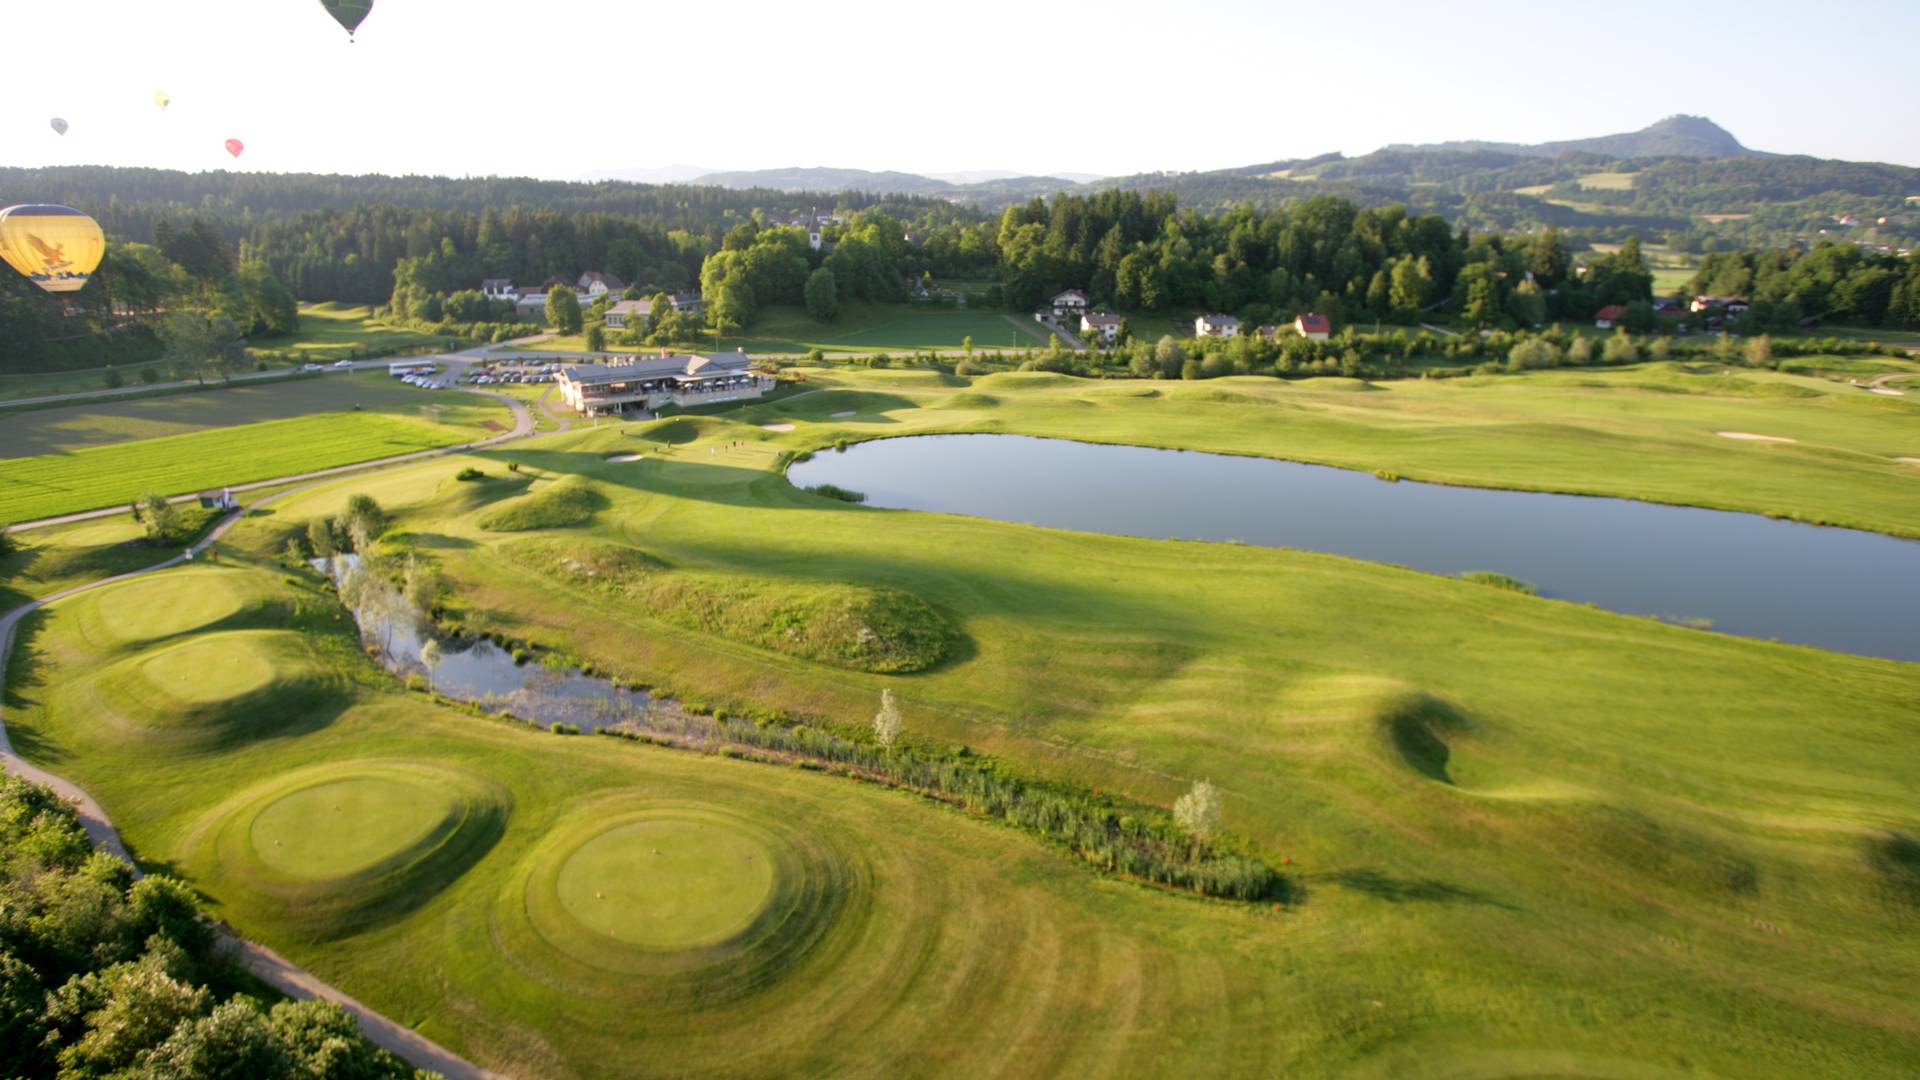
849, 412
1751, 437
624, 458
1909, 460
1884, 390
778, 427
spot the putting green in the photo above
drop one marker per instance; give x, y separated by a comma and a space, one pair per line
668, 883
209, 670
344, 826
165, 605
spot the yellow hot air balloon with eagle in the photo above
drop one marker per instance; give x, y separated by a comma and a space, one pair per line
56, 247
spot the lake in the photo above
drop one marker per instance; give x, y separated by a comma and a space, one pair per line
1744, 574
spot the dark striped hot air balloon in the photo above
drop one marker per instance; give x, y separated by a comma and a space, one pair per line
348, 13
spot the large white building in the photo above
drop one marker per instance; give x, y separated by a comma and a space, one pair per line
1224, 326
650, 382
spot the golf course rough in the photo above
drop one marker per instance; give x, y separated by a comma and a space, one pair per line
699, 899
337, 847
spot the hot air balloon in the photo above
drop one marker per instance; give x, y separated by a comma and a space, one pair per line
348, 13
56, 247
59, 126
234, 146
161, 99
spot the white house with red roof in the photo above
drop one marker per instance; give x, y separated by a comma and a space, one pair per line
1313, 327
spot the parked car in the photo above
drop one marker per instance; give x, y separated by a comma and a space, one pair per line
309, 367
343, 363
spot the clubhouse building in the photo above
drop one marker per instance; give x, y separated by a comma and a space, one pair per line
647, 383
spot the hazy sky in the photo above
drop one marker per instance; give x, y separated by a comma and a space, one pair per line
566, 88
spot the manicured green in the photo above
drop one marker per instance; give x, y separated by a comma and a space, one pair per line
667, 883
59, 557
100, 476
338, 827
1523, 837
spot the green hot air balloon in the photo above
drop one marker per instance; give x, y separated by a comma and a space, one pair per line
348, 13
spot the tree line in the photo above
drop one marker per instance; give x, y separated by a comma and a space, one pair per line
102, 975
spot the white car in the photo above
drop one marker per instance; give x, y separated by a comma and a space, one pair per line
343, 364
309, 367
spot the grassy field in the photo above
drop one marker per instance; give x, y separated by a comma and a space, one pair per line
49, 484
1607, 181
65, 430
331, 331
1525, 837
60, 557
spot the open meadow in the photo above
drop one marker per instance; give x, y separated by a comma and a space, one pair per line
57, 461
1519, 836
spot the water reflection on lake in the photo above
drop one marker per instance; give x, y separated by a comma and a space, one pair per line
1745, 574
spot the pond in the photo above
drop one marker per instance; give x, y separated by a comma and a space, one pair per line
481, 672
1742, 574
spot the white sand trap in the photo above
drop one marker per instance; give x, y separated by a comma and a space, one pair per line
624, 458
1884, 390
778, 427
1751, 437
1909, 460
849, 412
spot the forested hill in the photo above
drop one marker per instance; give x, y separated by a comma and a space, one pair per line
128, 202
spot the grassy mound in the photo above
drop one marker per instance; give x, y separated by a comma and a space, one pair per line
165, 606
698, 900
211, 691
337, 847
1025, 380
571, 501
967, 400
851, 626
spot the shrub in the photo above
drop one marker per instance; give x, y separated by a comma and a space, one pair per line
469, 473
559, 728
1499, 581
834, 491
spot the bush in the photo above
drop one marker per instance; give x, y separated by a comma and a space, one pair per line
469, 473
1499, 581
572, 501
559, 728
834, 491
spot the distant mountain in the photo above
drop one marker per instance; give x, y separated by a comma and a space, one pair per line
825, 179
999, 189
663, 174
1676, 136
987, 176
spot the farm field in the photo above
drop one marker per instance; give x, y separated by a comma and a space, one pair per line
78, 427
1505, 856
90, 477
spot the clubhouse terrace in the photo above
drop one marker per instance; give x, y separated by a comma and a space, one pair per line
647, 383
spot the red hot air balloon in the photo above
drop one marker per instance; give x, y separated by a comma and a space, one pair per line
234, 146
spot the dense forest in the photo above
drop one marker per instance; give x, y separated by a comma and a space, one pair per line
102, 975
194, 265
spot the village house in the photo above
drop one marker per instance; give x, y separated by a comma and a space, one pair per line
1220, 326
1268, 331
499, 288
596, 284
1102, 323
1732, 305
622, 310
530, 300
686, 301
1313, 327
1608, 316
1070, 304
647, 384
